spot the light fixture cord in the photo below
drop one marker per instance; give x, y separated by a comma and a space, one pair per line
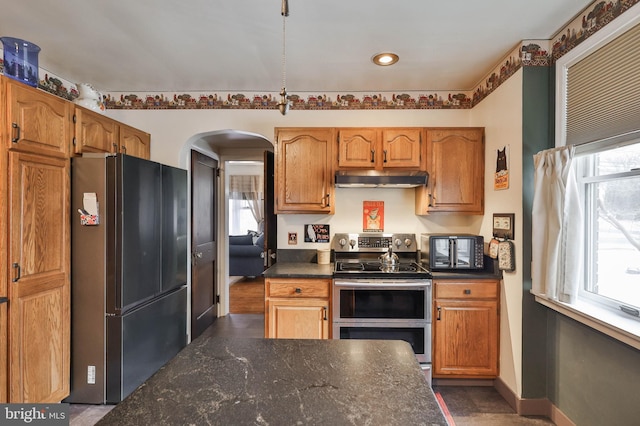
285, 13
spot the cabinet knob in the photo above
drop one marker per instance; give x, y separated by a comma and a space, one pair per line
298, 290
467, 291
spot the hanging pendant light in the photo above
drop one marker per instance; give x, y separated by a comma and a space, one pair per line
283, 105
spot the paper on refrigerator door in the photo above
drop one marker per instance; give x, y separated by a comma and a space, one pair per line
90, 203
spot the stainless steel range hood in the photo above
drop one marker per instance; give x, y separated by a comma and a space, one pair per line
375, 179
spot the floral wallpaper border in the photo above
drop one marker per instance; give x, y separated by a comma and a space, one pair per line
528, 53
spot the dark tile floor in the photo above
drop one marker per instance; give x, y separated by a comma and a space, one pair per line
469, 405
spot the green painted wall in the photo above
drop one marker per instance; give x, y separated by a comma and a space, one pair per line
536, 136
592, 378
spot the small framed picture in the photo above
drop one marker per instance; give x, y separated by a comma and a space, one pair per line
503, 224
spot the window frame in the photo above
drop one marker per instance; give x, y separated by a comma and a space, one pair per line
585, 170
613, 323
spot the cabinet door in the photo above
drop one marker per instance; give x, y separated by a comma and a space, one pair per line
298, 318
94, 132
39, 291
38, 122
358, 148
135, 142
401, 148
465, 338
455, 162
304, 172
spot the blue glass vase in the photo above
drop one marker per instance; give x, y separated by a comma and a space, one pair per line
20, 60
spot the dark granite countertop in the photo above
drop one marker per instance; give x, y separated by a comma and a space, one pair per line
220, 381
299, 270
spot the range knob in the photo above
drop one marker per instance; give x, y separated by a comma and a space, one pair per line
408, 242
352, 243
397, 242
342, 242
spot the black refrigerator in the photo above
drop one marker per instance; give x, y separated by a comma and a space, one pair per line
128, 274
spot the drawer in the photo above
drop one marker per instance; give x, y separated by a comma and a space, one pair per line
298, 288
467, 290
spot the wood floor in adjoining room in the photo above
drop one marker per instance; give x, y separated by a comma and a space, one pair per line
246, 295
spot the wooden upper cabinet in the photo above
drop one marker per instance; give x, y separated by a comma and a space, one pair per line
135, 142
37, 121
94, 132
379, 149
304, 170
357, 148
455, 162
401, 148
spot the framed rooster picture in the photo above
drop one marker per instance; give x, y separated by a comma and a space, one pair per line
373, 216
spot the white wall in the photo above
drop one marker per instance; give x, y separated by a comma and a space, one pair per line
501, 115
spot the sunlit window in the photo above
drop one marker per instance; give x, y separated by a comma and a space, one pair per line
610, 181
241, 220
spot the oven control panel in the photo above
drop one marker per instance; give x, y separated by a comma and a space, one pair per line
374, 242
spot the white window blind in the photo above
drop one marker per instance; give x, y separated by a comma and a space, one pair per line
603, 92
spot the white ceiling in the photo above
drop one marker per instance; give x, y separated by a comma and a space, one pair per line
236, 45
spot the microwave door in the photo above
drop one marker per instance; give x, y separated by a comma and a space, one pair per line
443, 253
464, 253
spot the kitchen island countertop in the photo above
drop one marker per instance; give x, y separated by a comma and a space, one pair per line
224, 381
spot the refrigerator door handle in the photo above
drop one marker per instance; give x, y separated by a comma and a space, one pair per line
195, 256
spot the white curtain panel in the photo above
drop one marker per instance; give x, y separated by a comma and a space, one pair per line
557, 224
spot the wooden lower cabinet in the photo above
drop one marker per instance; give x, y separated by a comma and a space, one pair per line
3, 352
39, 286
466, 328
297, 308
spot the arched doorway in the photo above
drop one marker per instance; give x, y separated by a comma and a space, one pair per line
222, 146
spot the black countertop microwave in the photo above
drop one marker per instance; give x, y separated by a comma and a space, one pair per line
446, 252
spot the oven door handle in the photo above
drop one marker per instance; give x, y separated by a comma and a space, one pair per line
381, 283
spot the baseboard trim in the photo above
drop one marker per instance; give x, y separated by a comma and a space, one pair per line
462, 382
532, 406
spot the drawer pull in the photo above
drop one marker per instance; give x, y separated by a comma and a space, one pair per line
298, 290
467, 291
16, 266
16, 128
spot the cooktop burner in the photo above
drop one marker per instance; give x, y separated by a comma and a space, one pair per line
365, 266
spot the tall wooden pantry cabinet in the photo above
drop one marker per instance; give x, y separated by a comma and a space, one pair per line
34, 248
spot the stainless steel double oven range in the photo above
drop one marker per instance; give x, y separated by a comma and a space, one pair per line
377, 300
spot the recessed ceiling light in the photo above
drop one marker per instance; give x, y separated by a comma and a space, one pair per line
384, 59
